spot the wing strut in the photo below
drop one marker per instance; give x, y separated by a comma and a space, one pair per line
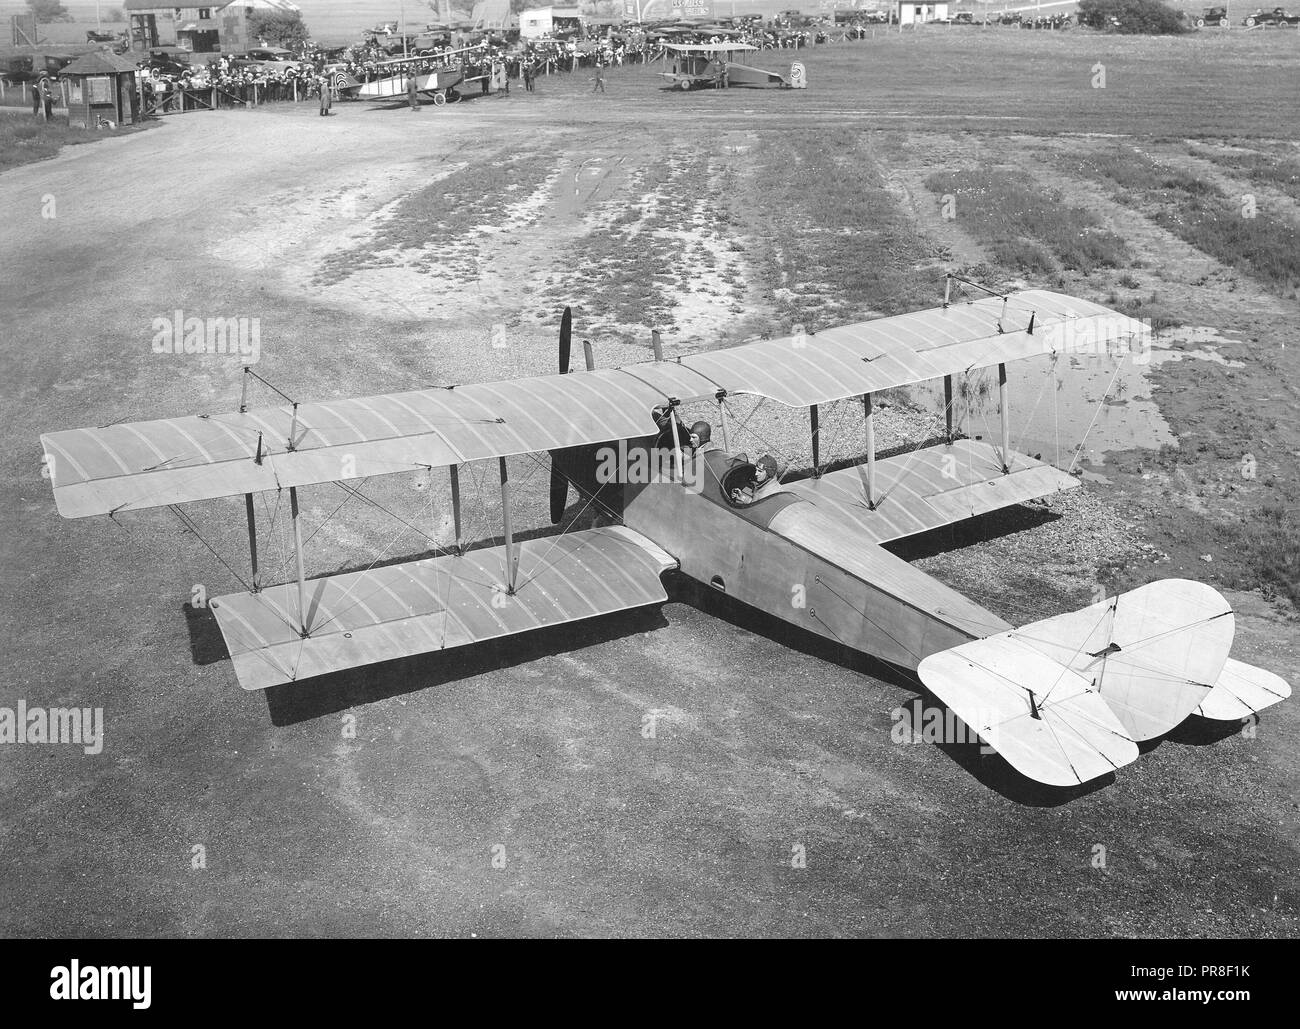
248, 497
947, 407
303, 629
455, 506
252, 541
512, 555
870, 419
673, 404
814, 422
1006, 418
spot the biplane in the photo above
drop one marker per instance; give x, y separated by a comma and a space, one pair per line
440, 84
709, 65
1065, 699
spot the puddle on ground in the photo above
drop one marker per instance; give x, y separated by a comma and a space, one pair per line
1080, 407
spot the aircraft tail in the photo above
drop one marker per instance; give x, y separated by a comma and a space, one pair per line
1068, 698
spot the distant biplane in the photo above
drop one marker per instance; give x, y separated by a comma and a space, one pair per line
709, 65
1064, 700
440, 83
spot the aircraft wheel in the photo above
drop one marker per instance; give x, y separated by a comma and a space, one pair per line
684, 85
439, 99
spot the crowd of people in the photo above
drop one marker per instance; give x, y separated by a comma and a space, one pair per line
228, 80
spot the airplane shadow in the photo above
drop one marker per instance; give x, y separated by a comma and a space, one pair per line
990, 769
291, 703
980, 529
1197, 731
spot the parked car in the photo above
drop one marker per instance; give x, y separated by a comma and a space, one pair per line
1213, 16
1277, 17
168, 60
268, 58
26, 68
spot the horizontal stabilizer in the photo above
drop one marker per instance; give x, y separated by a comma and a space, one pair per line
1241, 691
932, 487
1153, 653
1056, 731
360, 618
1066, 699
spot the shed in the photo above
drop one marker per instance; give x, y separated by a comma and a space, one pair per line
100, 85
910, 12
543, 22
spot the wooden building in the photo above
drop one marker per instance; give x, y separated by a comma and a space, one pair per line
100, 86
912, 13
219, 27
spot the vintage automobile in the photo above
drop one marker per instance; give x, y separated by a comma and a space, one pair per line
168, 60
1213, 16
271, 58
1276, 18
25, 68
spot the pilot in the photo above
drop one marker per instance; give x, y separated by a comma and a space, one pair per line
701, 438
664, 418
763, 484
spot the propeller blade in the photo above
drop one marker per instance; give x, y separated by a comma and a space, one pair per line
566, 339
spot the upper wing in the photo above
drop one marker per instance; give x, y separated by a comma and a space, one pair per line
202, 457
855, 359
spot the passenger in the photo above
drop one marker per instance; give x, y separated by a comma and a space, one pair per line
762, 485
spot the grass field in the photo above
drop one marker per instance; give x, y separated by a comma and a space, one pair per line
384, 250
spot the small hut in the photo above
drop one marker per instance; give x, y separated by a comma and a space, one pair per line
100, 85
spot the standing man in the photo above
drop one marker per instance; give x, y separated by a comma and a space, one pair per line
326, 97
40, 90
412, 97
600, 77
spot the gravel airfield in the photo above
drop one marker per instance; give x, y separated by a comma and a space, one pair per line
509, 789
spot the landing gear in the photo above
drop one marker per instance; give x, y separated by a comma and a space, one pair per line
439, 99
